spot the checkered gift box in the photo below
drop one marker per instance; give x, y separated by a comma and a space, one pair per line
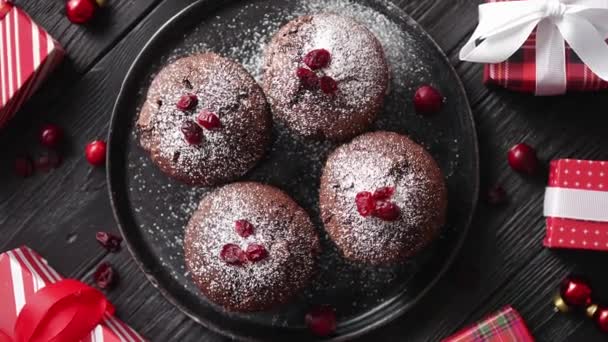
503, 326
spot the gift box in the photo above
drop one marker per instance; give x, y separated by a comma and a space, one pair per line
546, 48
28, 54
26, 278
576, 205
505, 325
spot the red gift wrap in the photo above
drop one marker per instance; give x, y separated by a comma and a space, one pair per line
28, 54
39, 305
505, 325
576, 205
518, 73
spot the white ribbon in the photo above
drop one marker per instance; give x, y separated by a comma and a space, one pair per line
589, 205
505, 26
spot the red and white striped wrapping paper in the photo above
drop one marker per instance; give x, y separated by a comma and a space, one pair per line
518, 73
576, 205
22, 273
28, 54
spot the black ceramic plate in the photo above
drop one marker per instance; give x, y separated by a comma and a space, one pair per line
152, 210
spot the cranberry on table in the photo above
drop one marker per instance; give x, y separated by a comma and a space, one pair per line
328, 85
601, 318
186, 102
308, 78
321, 320
24, 167
208, 120
317, 59
243, 227
104, 276
51, 135
428, 100
522, 158
256, 252
95, 152
575, 292
80, 11
233, 254
109, 241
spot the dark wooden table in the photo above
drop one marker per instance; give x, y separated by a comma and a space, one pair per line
503, 261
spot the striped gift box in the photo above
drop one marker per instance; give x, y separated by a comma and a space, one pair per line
504, 326
22, 273
27, 55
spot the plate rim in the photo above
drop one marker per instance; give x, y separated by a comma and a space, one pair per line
396, 312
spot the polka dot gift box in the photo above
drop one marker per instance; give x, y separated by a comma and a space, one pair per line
576, 205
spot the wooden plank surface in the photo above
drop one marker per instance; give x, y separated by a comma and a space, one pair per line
502, 261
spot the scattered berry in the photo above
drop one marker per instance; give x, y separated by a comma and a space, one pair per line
308, 78
256, 252
80, 11
384, 193
496, 195
321, 320
186, 102
51, 135
48, 161
104, 276
233, 254
427, 100
193, 133
522, 158
95, 152
208, 120
243, 228
317, 59
365, 203
386, 211
24, 167
109, 241
328, 85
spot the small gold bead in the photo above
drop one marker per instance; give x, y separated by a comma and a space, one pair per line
590, 310
560, 305
101, 3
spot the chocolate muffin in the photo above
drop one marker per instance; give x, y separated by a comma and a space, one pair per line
325, 76
205, 120
382, 198
250, 247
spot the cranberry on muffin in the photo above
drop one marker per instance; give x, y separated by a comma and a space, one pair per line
250, 247
382, 198
205, 120
325, 76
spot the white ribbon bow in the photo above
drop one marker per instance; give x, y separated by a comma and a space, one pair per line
505, 26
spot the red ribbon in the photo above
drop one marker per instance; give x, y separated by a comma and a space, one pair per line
5, 7
65, 311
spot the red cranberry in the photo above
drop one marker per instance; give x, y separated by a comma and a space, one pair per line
104, 276
308, 78
51, 135
80, 11
48, 161
193, 133
109, 241
24, 167
386, 211
243, 228
575, 292
233, 254
186, 102
321, 320
522, 158
95, 152
365, 203
496, 195
208, 120
317, 59
328, 85
256, 252
427, 100
384, 193
601, 318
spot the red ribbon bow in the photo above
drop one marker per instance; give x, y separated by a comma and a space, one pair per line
65, 311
